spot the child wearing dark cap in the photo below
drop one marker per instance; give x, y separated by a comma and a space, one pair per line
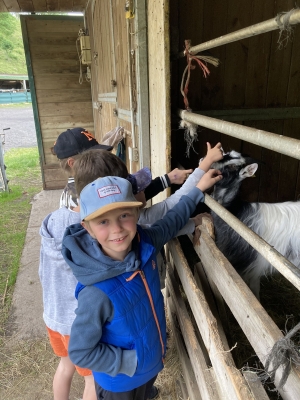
67, 147
119, 330
71, 143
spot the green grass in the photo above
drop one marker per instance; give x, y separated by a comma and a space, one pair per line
23, 172
12, 55
15, 105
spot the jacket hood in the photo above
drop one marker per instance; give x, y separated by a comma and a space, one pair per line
87, 261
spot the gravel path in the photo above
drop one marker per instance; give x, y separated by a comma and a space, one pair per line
22, 128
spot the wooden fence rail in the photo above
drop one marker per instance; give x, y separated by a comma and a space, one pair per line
258, 327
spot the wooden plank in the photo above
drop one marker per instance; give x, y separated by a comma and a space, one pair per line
288, 166
121, 53
59, 81
182, 392
229, 378
53, 38
39, 5
79, 5
270, 166
66, 5
68, 25
258, 61
63, 96
250, 188
65, 122
197, 360
159, 88
63, 67
279, 65
54, 178
3, 7
11, 5
238, 17
52, 5
26, 5
187, 370
259, 328
65, 109
107, 119
255, 386
213, 298
214, 25
103, 46
54, 52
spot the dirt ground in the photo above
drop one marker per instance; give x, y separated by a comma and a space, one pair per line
27, 369
27, 363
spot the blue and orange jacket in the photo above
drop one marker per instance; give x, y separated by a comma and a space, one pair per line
119, 330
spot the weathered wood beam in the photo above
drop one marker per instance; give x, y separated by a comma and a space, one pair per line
228, 376
257, 325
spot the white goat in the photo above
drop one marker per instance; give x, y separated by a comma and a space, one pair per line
278, 223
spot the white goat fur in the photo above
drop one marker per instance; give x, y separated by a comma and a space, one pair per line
278, 224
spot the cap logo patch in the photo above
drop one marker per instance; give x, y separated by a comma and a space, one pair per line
108, 191
88, 135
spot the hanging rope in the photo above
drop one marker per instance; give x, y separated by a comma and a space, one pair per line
190, 133
283, 354
285, 29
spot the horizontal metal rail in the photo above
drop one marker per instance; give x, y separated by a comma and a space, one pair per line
253, 30
284, 266
272, 141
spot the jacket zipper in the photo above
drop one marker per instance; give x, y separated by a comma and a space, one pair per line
151, 303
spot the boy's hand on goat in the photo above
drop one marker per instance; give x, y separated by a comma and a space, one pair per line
209, 179
213, 154
178, 176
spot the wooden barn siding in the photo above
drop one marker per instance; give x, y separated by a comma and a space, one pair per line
94, 69
159, 88
61, 101
253, 73
107, 28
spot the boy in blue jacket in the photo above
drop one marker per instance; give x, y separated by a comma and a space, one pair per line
119, 331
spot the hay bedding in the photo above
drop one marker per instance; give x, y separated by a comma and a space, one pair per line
27, 369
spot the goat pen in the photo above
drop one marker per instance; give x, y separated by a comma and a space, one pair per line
200, 294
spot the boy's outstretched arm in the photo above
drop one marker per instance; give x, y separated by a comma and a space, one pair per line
159, 184
167, 228
213, 154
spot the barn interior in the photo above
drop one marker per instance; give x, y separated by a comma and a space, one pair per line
256, 84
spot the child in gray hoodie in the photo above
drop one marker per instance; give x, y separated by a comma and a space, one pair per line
119, 331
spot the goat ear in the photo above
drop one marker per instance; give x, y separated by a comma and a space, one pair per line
248, 171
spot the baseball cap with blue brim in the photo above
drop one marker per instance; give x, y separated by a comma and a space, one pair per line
140, 180
106, 194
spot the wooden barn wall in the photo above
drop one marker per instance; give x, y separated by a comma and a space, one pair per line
93, 68
159, 88
60, 101
253, 73
106, 23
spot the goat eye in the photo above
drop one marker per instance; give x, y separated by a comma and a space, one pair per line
232, 167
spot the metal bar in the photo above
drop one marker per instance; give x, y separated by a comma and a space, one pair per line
281, 144
253, 30
253, 114
284, 266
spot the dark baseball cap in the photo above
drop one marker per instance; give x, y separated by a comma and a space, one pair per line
75, 141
